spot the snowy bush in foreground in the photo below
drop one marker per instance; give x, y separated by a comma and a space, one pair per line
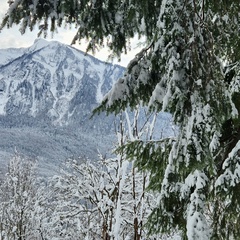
107, 201
18, 201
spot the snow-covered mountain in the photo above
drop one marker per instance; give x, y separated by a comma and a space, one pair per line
47, 94
53, 82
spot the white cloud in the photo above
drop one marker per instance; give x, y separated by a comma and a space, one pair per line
3, 7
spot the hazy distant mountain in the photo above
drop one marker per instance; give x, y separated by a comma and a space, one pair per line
47, 94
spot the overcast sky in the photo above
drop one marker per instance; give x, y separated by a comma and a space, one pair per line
11, 38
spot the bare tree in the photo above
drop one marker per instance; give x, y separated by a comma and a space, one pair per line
104, 200
18, 198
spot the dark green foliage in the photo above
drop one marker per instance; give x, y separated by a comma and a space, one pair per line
117, 21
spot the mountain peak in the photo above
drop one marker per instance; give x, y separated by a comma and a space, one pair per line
54, 81
40, 43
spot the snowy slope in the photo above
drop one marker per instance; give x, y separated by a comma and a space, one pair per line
8, 55
50, 79
47, 94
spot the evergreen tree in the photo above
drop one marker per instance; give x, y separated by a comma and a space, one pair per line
190, 68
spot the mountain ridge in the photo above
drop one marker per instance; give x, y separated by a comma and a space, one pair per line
61, 73
47, 94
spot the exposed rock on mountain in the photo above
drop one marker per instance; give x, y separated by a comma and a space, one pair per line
47, 94
54, 82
